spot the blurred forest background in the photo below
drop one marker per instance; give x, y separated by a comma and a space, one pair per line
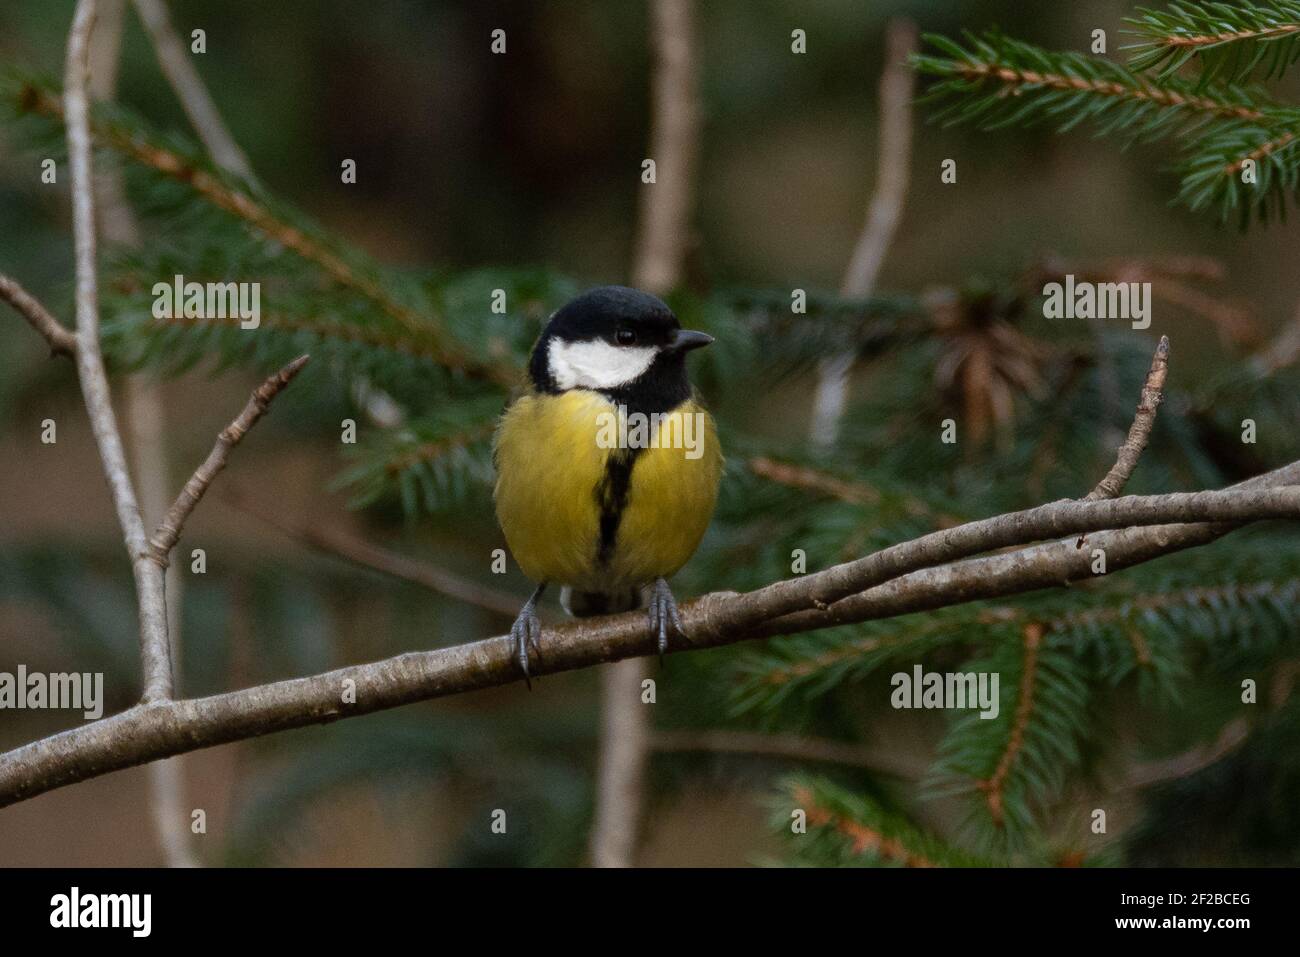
468, 160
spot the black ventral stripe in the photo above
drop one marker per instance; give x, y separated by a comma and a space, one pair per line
611, 497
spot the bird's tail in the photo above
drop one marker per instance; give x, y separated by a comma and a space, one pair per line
586, 604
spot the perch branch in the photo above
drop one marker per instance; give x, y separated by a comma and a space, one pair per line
155, 730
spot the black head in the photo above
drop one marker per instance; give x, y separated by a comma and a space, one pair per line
618, 341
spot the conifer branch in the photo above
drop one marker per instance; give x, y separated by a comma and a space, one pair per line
863, 839
239, 203
324, 328
429, 451
992, 786
1030, 84
1000, 82
797, 668
863, 834
1286, 589
1261, 152
1230, 40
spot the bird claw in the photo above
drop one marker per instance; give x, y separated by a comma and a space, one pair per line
527, 633
664, 619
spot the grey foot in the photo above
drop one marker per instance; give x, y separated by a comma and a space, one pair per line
527, 633
664, 620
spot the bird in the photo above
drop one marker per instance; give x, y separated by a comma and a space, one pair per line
607, 465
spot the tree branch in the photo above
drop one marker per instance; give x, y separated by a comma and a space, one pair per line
883, 213
664, 217
169, 529
155, 655
663, 232
154, 730
62, 341
1139, 432
145, 439
1280, 352
178, 67
360, 552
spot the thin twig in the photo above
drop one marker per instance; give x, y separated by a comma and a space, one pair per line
883, 213
178, 66
1139, 432
157, 730
1229, 739
146, 440
897, 83
663, 229
1148, 773
149, 584
62, 341
358, 551
1281, 352
169, 529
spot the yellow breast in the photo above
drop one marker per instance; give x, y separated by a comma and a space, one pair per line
553, 456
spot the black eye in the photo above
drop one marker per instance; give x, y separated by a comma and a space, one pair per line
625, 337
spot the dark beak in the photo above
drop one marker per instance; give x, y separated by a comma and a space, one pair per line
685, 339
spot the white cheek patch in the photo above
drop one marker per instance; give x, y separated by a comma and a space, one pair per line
596, 364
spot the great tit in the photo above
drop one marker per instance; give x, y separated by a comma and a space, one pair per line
607, 467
